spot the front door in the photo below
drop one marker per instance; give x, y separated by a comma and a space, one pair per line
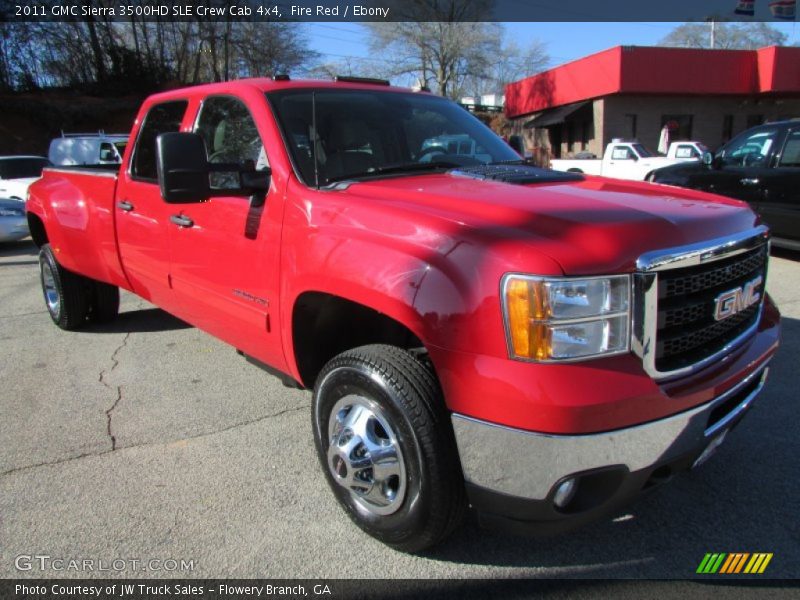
621, 164
780, 204
742, 166
225, 251
142, 217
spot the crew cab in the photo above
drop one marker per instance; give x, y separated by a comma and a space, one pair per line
536, 345
760, 166
631, 160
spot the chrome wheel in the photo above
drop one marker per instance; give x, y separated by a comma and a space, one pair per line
364, 456
50, 292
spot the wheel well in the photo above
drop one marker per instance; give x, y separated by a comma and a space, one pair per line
38, 232
574, 171
324, 325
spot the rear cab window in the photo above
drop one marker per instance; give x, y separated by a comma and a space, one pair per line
161, 118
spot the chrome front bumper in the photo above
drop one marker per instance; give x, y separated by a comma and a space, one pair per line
528, 465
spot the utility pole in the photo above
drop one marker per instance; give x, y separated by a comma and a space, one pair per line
713, 31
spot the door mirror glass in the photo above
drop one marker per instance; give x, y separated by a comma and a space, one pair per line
182, 168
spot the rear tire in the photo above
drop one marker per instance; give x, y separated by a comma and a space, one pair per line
386, 445
66, 294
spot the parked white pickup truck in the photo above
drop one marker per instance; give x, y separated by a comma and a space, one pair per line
630, 160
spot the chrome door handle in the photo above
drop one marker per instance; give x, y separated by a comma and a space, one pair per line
181, 221
125, 205
749, 181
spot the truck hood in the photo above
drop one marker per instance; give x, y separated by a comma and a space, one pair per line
597, 225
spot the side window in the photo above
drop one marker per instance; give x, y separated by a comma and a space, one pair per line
231, 136
162, 118
621, 153
750, 149
790, 157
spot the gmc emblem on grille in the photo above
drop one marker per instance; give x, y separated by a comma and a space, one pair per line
734, 301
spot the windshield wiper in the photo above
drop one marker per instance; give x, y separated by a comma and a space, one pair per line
398, 168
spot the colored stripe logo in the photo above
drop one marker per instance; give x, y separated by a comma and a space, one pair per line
734, 563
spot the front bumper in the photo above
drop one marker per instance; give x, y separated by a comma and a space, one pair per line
512, 475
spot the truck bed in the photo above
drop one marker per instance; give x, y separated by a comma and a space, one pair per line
87, 169
85, 238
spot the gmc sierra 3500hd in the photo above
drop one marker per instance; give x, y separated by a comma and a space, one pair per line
540, 346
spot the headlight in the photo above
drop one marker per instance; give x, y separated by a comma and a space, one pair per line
11, 212
560, 318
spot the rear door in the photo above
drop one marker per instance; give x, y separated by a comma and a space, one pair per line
780, 204
142, 217
225, 255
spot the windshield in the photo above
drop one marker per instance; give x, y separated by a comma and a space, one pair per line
365, 133
17, 168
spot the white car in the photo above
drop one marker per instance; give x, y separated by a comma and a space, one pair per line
13, 223
17, 173
631, 160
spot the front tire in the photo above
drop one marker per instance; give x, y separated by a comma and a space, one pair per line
66, 294
386, 445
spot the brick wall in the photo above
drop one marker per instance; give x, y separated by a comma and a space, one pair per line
707, 115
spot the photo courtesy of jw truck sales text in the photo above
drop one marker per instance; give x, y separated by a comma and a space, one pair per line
436, 300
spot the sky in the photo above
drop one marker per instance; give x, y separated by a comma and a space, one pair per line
564, 41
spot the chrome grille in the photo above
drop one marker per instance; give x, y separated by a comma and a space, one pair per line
674, 329
687, 331
720, 274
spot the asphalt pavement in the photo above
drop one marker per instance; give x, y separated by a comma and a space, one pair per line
149, 439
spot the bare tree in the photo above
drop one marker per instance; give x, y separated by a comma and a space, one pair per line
512, 63
442, 55
729, 36
444, 45
139, 55
261, 48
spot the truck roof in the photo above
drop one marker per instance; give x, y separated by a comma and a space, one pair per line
265, 84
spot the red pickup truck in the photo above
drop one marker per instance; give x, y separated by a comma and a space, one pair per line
540, 346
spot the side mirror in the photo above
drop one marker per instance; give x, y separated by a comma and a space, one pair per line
182, 168
515, 141
708, 159
183, 172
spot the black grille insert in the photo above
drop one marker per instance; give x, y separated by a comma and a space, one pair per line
687, 331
